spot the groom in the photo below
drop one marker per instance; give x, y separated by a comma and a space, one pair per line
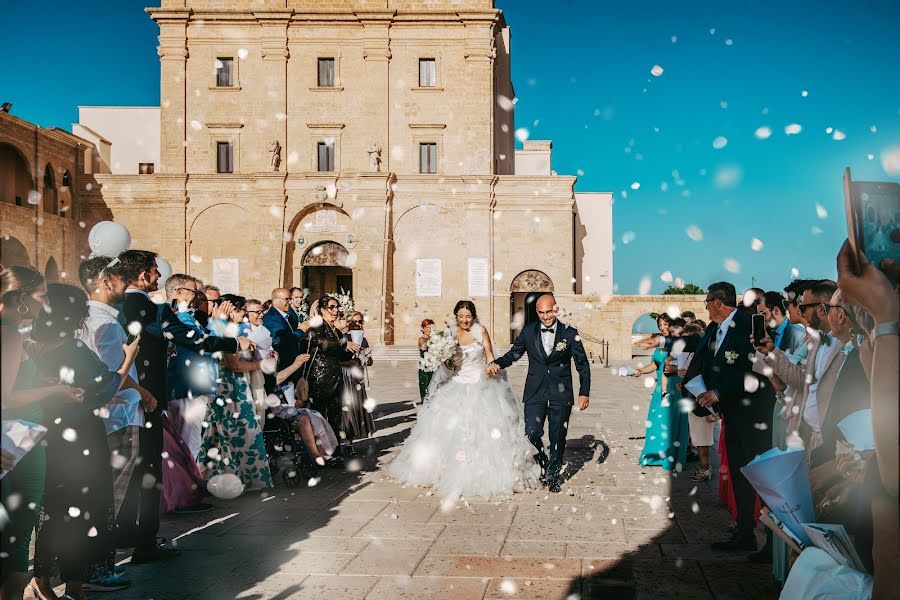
551, 346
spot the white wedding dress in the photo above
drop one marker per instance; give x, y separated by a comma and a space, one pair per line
470, 436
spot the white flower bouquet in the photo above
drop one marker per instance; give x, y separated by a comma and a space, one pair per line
345, 302
441, 348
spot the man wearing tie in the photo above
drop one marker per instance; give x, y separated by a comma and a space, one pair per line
549, 395
721, 378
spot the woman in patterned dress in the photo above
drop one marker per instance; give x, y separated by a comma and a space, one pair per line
233, 441
424, 376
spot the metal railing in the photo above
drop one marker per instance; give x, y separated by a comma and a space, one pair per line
603, 356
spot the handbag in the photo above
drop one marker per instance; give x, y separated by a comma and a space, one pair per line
302, 384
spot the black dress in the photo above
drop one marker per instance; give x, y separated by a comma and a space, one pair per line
329, 348
75, 527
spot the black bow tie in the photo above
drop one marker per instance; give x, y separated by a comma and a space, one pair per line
548, 330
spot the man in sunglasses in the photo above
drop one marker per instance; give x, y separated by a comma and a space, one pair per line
815, 379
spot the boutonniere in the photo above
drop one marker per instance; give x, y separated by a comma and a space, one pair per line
731, 356
560, 347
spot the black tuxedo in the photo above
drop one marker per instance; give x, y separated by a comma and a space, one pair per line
745, 398
548, 386
138, 519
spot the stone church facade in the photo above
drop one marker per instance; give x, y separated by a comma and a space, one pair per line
368, 146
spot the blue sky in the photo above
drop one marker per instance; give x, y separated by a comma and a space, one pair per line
582, 74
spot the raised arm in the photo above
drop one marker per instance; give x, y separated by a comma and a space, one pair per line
174, 330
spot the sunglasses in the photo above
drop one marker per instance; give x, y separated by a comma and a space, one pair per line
191, 290
254, 311
356, 321
804, 307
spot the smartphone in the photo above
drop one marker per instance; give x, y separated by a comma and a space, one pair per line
758, 322
873, 213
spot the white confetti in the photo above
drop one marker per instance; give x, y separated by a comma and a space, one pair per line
756, 244
521, 134
666, 276
821, 212
795, 272
369, 404
720, 142
656, 71
694, 232
69, 434
243, 53
804, 93
507, 586
34, 197
793, 129
628, 237
890, 161
74, 511
636, 185
732, 266
135, 328
505, 103
644, 286
838, 135
763, 133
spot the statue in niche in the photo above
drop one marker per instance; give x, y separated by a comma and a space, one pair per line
274, 156
374, 151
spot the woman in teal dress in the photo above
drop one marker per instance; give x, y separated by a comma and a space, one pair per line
233, 442
679, 432
660, 449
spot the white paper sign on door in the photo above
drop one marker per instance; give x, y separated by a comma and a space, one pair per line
428, 277
479, 280
225, 275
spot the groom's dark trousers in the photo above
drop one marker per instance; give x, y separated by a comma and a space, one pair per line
542, 407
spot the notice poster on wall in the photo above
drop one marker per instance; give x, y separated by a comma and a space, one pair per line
225, 275
428, 277
479, 279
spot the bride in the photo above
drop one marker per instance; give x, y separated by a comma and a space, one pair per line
470, 437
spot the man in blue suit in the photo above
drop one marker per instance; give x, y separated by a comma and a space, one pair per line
287, 335
549, 395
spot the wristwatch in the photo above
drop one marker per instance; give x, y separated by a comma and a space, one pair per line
888, 328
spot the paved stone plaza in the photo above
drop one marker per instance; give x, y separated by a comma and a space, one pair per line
613, 532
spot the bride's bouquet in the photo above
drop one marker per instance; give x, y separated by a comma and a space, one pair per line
441, 348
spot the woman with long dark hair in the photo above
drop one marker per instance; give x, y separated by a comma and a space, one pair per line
23, 293
75, 526
329, 348
469, 439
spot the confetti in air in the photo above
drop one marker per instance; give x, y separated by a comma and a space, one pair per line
628, 237
656, 71
636, 185
666, 277
521, 134
694, 232
756, 244
890, 161
644, 286
720, 142
732, 266
821, 212
792, 129
838, 135
763, 133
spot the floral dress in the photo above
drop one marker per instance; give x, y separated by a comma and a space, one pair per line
233, 441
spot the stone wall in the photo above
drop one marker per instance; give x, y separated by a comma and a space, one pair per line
49, 227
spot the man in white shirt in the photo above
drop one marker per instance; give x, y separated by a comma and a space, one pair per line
123, 416
259, 334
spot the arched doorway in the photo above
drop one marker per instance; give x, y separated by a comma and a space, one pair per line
524, 290
15, 176
51, 272
51, 199
326, 269
13, 253
65, 196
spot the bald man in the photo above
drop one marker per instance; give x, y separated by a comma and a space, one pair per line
287, 335
549, 395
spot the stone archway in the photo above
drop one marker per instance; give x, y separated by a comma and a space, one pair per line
50, 193
51, 271
15, 176
326, 268
525, 289
13, 253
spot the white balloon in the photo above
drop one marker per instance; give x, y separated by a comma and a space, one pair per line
108, 238
165, 271
226, 486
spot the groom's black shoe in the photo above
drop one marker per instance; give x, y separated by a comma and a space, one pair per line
545, 481
554, 483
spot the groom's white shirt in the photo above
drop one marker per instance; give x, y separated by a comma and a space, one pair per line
548, 337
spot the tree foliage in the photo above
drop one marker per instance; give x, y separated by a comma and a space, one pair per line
689, 288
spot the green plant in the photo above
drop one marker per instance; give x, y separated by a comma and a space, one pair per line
689, 288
